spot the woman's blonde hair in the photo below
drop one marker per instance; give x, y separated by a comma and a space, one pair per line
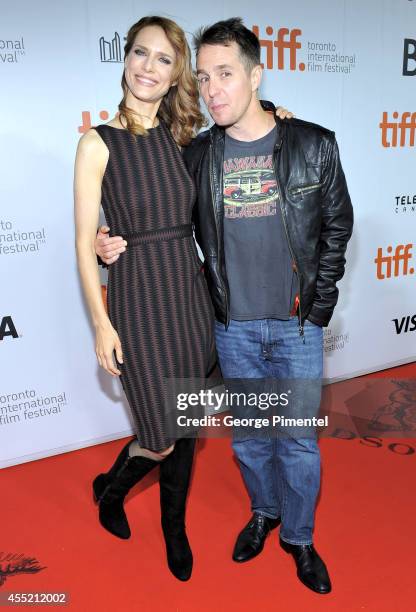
180, 108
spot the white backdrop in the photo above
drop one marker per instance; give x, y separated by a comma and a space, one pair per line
58, 78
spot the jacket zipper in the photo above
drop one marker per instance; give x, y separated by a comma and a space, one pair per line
301, 331
307, 188
211, 178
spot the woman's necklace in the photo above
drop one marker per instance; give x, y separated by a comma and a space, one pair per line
155, 121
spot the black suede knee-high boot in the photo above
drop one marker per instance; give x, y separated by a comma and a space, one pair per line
175, 473
111, 488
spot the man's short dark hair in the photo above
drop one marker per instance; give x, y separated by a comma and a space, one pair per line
226, 32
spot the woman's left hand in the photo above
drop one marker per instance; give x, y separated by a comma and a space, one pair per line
283, 113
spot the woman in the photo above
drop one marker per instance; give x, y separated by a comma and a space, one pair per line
160, 319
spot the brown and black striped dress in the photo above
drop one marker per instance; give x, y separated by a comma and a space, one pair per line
157, 297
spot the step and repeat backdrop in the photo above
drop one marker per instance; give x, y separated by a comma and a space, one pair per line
348, 65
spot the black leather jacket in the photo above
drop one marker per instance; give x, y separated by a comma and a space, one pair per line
315, 204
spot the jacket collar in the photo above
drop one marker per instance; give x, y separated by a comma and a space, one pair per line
270, 107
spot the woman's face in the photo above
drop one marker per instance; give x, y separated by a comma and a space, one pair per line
150, 65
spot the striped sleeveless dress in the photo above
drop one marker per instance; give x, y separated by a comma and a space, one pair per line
158, 300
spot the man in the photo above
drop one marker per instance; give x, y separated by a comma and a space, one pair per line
273, 220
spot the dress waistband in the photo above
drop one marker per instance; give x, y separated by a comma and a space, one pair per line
163, 233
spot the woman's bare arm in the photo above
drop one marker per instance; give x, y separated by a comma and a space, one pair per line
91, 160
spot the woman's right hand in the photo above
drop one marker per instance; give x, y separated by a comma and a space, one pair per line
106, 343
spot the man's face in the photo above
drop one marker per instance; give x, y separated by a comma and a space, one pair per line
225, 85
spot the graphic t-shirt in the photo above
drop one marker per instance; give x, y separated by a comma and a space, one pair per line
257, 257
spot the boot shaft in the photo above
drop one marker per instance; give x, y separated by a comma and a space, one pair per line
124, 474
175, 476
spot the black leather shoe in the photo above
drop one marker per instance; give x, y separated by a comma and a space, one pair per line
250, 541
311, 569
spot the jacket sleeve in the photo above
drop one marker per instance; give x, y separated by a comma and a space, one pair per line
336, 229
189, 159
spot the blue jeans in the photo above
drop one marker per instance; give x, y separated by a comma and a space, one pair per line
281, 473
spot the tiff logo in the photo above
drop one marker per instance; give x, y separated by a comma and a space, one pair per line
281, 43
400, 259
86, 120
390, 130
110, 51
409, 55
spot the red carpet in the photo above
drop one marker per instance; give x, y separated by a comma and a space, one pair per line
364, 531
